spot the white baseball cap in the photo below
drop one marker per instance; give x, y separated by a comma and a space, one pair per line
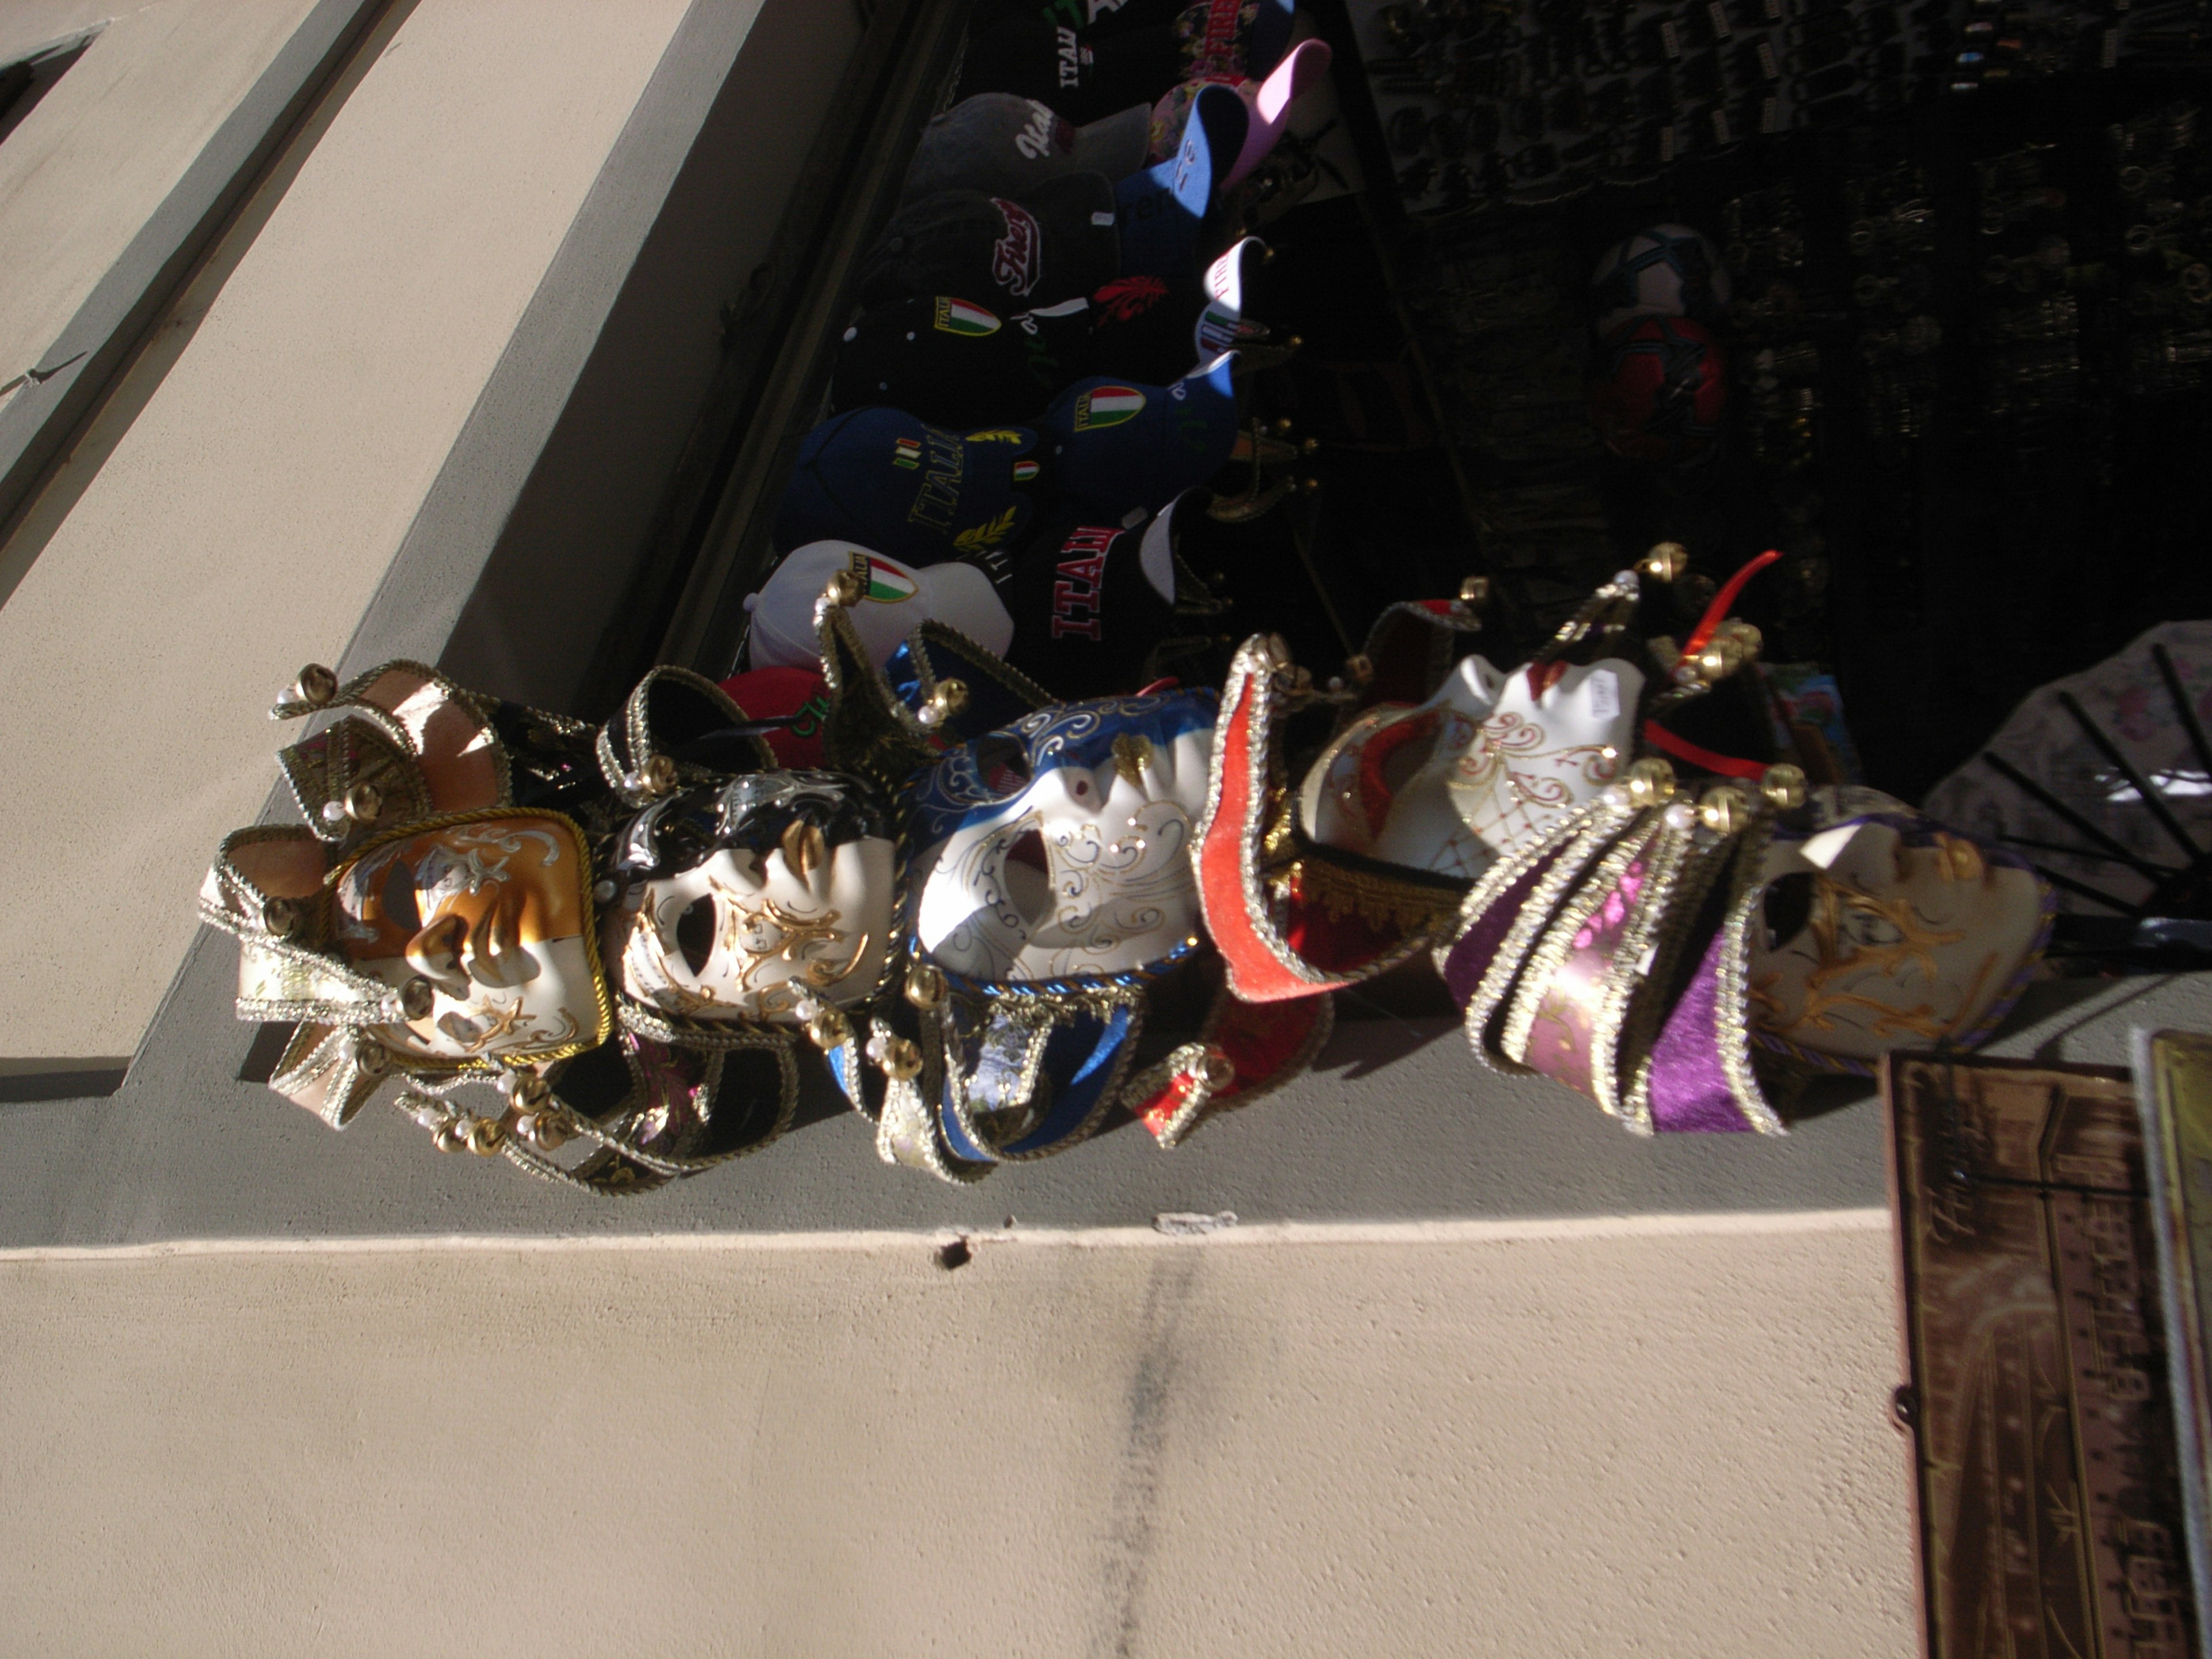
896, 598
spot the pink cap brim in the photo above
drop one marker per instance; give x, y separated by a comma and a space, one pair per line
1271, 100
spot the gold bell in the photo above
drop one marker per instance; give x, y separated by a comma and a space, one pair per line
417, 997
484, 1135
1665, 562
925, 986
1359, 669
1783, 786
1724, 809
1216, 1070
526, 1089
1722, 657
844, 590
1475, 592
902, 1059
829, 1029
549, 1131
315, 689
658, 775
281, 916
1747, 636
949, 698
450, 1139
364, 803
1649, 782
370, 1057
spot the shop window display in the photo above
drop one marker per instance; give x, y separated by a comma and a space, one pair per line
1674, 532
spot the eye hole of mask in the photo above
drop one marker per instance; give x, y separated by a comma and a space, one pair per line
1029, 876
1003, 764
399, 898
1787, 907
694, 933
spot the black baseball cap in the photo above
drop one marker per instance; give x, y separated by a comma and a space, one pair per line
1094, 20
1055, 243
1083, 77
1164, 210
1002, 145
1090, 601
961, 364
896, 485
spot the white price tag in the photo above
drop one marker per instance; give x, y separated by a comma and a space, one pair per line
1604, 689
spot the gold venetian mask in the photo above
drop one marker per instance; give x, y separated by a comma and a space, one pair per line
483, 926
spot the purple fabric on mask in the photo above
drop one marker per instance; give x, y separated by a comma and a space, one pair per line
1689, 1089
1472, 952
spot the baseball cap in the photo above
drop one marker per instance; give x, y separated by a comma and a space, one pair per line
961, 364
1090, 600
896, 598
800, 695
1236, 38
1095, 19
1087, 77
1162, 210
1055, 242
1116, 446
1003, 143
888, 481
1303, 68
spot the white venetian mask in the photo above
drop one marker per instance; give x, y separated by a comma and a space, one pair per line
1060, 847
1485, 765
758, 900
1889, 932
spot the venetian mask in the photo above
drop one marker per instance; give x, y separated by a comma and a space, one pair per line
1060, 847
759, 899
1482, 767
481, 926
1886, 931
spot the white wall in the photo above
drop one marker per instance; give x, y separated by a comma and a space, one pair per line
231, 519
83, 170
1659, 1438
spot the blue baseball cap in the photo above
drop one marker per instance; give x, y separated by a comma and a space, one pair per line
1161, 211
1115, 446
899, 486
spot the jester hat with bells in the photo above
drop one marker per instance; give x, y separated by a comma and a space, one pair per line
1023, 1014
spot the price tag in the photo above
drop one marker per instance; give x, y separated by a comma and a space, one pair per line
1604, 688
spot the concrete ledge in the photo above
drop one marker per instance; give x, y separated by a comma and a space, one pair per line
1397, 1124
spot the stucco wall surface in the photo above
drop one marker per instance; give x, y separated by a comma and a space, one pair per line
82, 171
1641, 1437
238, 526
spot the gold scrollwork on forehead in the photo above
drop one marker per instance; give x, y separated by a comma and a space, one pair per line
793, 938
1910, 947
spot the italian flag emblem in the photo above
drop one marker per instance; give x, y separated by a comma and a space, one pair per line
1107, 405
887, 585
958, 317
1025, 471
907, 452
